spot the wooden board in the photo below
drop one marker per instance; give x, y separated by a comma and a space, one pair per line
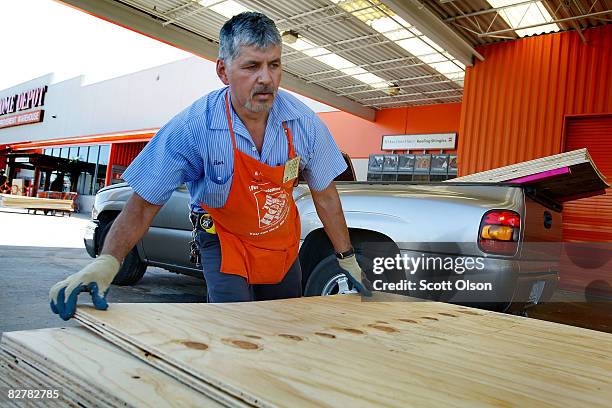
17, 374
94, 372
581, 179
14, 201
340, 351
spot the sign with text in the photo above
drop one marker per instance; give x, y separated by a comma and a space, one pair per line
32, 98
419, 142
22, 119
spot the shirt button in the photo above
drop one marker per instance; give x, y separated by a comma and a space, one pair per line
254, 148
219, 178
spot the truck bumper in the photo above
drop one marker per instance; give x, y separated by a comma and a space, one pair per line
500, 285
91, 229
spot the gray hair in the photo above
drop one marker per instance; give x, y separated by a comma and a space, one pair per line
244, 29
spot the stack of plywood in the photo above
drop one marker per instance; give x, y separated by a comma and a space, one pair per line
36, 203
86, 371
561, 177
325, 351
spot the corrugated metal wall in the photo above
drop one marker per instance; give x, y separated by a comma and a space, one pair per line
123, 153
514, 102
586, 266
590, 219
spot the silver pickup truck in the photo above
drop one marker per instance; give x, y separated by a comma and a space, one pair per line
500, 230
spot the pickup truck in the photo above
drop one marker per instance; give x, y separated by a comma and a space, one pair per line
447, 222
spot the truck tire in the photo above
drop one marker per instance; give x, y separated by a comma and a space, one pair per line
327, 278
132, 269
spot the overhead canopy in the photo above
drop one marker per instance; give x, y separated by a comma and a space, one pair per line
359, 55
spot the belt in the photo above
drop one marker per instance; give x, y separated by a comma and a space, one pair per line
202, 222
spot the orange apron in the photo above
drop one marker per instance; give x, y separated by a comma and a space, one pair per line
259, 225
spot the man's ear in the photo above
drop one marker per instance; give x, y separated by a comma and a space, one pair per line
221, 72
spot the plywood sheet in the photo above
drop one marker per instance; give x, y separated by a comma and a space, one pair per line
582, 179
340, 351
94, 372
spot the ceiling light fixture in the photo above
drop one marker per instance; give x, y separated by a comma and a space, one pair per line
290, 36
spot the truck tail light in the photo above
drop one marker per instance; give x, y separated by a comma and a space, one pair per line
499, 232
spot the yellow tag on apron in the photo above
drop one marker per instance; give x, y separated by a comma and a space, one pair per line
292, 166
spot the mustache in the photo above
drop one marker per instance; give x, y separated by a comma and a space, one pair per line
262, 89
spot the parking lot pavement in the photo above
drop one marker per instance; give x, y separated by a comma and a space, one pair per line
28, 271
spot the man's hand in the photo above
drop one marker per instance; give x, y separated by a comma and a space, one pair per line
95, 278
356, 276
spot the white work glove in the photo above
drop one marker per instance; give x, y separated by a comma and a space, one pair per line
95, 278
355, 275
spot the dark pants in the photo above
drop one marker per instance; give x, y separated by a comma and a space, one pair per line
224, 287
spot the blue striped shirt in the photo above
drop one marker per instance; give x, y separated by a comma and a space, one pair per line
195, 148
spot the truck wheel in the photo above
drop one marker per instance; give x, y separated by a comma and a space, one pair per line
327, 278
132, 269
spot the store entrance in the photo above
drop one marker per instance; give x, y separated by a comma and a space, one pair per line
75, 169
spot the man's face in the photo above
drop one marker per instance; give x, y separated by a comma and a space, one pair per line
253, 76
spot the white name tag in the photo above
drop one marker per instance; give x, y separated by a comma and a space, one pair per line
292, 166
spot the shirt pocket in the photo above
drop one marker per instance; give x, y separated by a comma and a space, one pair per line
217, 187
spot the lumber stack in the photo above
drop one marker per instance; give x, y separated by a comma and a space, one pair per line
87, 371
561, 177
36, 203
323, 351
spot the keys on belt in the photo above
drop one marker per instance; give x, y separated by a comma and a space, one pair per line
199, 222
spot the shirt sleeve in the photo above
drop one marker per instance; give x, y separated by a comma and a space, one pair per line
170, 159
326, 161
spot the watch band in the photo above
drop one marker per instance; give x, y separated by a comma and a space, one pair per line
345, 254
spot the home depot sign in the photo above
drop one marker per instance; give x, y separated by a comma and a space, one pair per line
32, 98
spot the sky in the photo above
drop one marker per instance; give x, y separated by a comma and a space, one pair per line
43, 36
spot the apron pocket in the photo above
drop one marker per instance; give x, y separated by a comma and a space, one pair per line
265, 266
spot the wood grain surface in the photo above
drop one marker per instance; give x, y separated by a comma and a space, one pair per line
93, 371
16, 374
340, 351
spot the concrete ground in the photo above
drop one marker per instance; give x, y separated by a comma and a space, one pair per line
36, 251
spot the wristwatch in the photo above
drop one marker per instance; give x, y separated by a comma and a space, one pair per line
345, 254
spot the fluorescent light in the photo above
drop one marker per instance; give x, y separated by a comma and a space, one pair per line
383, 20
354, 71
372, 80
445, 67
384, 25
431, 58
207, 3
300, 44
229, 8
307, 47
416, 46
523, 15
316, 52
335, 61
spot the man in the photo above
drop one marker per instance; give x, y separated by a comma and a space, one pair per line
238, 149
